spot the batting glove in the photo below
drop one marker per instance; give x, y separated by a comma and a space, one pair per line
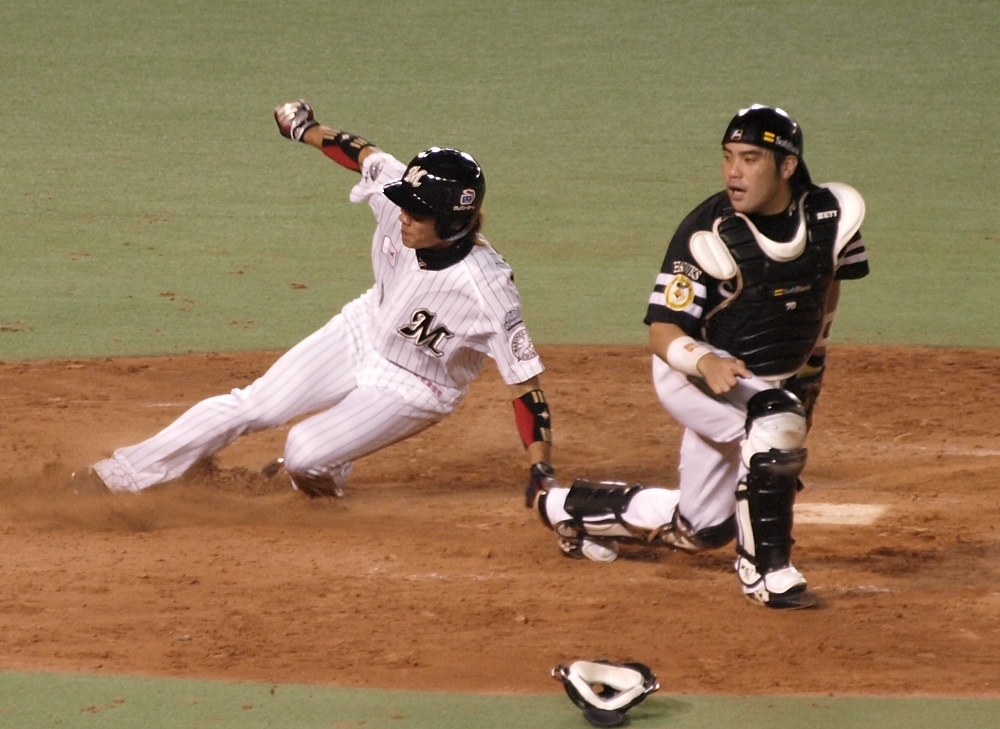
294, 119
541, 478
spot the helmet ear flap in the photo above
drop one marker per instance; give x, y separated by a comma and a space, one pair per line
449, 229
446, 227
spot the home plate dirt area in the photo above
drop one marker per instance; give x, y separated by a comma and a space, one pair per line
431, 574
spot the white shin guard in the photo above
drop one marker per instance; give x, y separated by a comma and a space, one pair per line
765, 499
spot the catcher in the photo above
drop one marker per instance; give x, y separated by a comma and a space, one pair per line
739, 321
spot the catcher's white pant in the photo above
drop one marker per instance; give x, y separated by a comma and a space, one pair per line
714, 429
711, 464
324, 372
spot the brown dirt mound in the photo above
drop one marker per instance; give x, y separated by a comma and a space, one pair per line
430, 574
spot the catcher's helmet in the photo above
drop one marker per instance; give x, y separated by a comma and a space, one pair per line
770, 127
444, 184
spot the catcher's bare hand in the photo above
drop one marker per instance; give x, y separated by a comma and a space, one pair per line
722, 373
294, 119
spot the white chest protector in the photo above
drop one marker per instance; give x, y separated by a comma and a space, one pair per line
712, 254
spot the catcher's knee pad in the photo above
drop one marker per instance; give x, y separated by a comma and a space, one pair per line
764, 503
776, 420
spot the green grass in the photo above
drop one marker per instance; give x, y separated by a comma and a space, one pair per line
148, 205
93, 702
138, 156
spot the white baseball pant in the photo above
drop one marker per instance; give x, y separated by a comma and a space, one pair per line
710, 460
320, 373
714, 428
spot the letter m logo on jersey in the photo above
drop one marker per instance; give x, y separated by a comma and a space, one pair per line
420, 329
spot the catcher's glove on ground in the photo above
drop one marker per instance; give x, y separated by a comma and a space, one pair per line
622, 686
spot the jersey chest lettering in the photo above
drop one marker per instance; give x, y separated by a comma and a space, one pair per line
422, 330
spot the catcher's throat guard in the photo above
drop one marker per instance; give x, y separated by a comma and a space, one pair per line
606, 690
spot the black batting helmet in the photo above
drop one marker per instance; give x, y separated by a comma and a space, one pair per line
770, 127
444, 184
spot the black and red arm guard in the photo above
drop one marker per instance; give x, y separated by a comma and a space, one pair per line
344, 148
534, 422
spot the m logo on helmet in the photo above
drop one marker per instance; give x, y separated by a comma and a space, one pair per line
413, 176
468, 197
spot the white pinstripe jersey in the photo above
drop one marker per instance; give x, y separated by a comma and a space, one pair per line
441, 325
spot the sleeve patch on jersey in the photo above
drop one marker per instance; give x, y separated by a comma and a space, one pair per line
512, 319
374, 170
375, 166
679, 294
521, 346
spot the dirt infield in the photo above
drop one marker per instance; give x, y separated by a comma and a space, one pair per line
431, 574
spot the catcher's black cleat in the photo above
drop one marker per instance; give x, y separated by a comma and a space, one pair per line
798, 598
781, 589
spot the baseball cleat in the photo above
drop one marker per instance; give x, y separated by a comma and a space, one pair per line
316, 487
798, 598
272, 468
87, 482
784, 589
581, 547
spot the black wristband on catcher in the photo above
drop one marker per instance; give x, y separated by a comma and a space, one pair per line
534, 423
344, 148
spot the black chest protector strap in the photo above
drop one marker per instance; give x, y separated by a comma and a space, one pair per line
775, 315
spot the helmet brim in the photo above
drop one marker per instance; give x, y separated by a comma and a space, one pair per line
401, 193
